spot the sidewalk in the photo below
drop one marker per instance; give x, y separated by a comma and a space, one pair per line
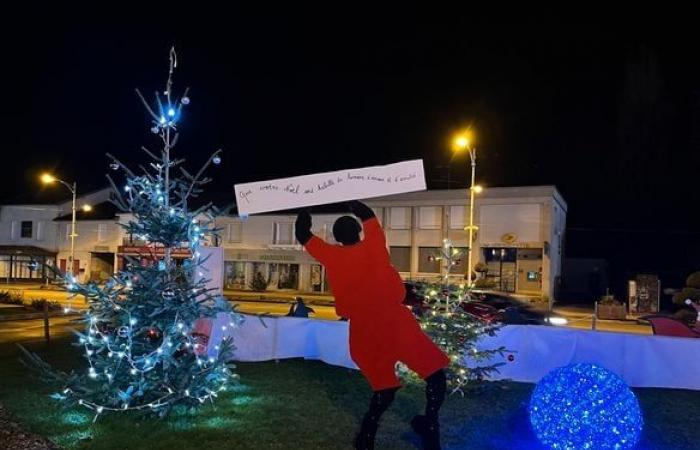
279, 297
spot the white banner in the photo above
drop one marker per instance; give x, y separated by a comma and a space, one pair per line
330, 187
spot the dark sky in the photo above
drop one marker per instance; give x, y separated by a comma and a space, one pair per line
610, 115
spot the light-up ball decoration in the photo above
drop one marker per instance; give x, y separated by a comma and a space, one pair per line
585, 406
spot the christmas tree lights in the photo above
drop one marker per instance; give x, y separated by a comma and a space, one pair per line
454, 330
140, 342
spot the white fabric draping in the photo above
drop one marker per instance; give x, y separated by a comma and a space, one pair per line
642, 361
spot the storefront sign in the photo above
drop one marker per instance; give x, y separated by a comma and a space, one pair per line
330, 187
157, 252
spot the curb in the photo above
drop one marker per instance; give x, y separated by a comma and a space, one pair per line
32, 316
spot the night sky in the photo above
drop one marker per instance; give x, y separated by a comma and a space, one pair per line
610, 115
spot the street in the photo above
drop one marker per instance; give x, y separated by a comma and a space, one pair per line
20, 330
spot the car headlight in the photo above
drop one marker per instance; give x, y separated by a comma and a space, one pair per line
558, 321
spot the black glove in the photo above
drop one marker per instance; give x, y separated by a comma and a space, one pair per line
361, 210
302, 227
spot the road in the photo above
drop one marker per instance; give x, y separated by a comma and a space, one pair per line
33, 329
579, 320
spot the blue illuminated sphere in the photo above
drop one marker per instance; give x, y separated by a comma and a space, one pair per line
584, 406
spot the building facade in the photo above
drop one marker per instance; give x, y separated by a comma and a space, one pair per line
34, 238
519, 242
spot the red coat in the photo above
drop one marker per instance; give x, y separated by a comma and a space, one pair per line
369, 292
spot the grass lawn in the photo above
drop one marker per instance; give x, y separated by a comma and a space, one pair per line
302, 405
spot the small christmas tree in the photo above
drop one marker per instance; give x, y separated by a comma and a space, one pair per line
140, 342
454, 330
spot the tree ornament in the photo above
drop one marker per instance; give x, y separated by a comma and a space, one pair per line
185, 100
114, 166
216, 160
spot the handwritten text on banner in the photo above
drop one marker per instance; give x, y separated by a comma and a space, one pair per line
330, 187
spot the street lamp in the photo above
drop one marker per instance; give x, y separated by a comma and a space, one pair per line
47, 178
462, 141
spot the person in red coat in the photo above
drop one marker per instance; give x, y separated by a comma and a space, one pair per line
369, 292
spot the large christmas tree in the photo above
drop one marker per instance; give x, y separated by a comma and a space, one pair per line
139, 341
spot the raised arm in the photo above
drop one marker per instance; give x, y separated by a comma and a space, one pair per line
374, 234
362, 211
317, 247
302, 227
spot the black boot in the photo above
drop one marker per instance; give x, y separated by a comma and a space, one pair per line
379, 403
427, 426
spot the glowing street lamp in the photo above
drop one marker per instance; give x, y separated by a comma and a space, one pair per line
47, 178
463, 141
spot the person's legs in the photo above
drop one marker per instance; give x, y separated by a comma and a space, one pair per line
428, 425
370, 422
380, 373
422, 356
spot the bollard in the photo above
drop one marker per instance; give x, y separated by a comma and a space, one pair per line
46, 322
595, 316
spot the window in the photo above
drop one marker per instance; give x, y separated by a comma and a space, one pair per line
235, 274
284, 276
284, 233
26, 229
101, 232
235, 232
328, 232
458, 217
39, 231
401, 258
430, 217
400, 218
426, 259
379, 213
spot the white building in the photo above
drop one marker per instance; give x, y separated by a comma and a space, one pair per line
34, 237
520, 239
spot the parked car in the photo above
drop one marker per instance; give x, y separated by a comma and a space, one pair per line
497, 307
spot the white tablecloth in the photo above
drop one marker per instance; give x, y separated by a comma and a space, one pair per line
642, 361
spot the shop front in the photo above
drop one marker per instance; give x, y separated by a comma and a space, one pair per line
514, 269
148, 254
281, 270
25, 263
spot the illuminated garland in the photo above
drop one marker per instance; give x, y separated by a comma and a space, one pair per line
140, 341
455, 331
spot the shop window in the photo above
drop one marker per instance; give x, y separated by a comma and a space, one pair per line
316, 278
400, 218
401, 258
430, 217
26, 228
235, 275
284, 276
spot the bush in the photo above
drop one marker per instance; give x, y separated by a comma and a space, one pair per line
259, 282
481, 268
693, 280
38, 304
484, 283
9, 298
679, 298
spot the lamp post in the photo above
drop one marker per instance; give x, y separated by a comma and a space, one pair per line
462, 142
49, 179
